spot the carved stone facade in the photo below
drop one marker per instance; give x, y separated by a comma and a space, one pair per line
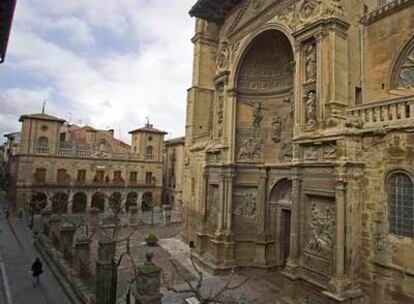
310, 130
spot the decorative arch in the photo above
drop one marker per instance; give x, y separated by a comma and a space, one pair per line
79, 203
60, 202
98, 201
131, 200
281, 192
402, 68
39, 200
400, 203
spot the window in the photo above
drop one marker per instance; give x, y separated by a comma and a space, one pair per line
118, 176
40, 175
62, 176
99, 176
401, 204
81, 176
148, 177
133, 176
150, 138
149, 151
42, 145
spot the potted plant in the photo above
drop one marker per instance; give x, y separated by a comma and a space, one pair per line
151, 240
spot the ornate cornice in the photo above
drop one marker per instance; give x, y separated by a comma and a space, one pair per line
213, 10
386, 10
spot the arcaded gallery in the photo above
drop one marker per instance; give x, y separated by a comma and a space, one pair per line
299, 145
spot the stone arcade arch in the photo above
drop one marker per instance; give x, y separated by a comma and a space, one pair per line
264, 83
147, 201
98, 201
279, 218
39, 200
60, 202
131, 200
115, 200
79, 203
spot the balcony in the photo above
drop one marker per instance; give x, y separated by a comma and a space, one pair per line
42, 150
394, 112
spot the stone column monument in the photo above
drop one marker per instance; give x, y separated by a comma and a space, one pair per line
148, 283
67, 232
106, 272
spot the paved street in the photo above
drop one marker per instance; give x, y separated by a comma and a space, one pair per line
18, 253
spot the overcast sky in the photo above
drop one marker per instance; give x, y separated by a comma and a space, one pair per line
106, 63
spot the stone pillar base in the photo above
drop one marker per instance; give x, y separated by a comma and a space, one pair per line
341, 290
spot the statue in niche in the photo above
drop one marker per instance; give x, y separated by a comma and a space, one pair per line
257, 114
323, 227
223, 56
310, 61
311, 108
277, 129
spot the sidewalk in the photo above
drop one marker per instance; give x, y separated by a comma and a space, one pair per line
18, 252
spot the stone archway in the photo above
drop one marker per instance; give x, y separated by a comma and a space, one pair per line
39, 200
115, 200
279, 219
131, 200
98, 201
264, 82
60, 202
79, 203
147, 202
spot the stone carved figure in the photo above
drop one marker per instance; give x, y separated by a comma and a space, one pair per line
323, 229
310, 61
223, 56
250, 149
329, 151
257, 4
311, 108
257, 114
311, 152
277, 129
309, 8
246, 205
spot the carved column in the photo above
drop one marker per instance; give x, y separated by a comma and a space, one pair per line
293, 260
106, 273
230, 109
260, 249
229, 202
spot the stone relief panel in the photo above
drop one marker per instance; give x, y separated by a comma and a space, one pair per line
212, 206
320, 233
223, 56
245, 210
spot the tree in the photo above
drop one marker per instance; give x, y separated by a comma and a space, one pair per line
196, 289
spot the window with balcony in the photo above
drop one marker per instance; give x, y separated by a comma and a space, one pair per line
62, 176
42, 145
81, 176
118, 177
40, 175
133, 176
148, 177
99, 176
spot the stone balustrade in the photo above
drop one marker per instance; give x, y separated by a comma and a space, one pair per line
394, 111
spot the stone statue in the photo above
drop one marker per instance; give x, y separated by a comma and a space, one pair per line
311, 108
223, 56
250, 149
257, 115
310, 60
277, 129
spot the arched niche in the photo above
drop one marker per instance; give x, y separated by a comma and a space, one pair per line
264, 83
79, 203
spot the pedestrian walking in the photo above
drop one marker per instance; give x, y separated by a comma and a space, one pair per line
36, 271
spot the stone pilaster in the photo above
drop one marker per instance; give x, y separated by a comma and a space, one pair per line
67, 232
106, 273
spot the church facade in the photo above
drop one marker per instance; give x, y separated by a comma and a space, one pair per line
299, 144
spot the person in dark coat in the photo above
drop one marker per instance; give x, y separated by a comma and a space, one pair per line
36, 271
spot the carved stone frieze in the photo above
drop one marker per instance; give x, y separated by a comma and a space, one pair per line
245, 210
329, 151
212, 205
322, 228
250, 144
311, 152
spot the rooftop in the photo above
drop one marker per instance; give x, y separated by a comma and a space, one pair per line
173, 141
148, 129
41, 116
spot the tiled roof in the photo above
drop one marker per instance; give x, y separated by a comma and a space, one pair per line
148, 129
41, 116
